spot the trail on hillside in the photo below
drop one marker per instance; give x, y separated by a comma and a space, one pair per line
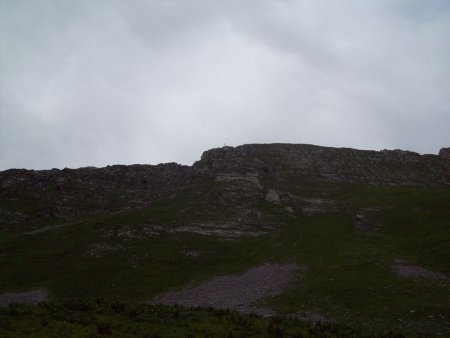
245, 293
47, 228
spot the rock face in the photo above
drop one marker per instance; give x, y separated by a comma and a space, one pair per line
236, 177
445, 152
58, 193
292, 163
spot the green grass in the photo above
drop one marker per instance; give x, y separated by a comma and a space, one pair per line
58, 260
348, 278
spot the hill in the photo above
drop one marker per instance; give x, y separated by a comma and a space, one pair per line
342, 236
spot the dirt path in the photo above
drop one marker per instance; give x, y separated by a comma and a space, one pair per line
47, 228
245, 293
30, 297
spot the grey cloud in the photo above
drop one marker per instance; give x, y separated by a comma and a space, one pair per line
103, 82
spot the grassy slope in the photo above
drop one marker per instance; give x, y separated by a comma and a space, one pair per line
348, 277
100, 318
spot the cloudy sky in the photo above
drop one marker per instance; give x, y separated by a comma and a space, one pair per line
95, 82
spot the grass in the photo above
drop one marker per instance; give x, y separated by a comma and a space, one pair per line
100, 318
348, 277
349, 280
141, 267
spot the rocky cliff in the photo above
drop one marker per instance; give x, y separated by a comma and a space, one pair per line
294, 164
230, 176
48, 194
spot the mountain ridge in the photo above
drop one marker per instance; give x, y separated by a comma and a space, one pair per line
242, 175
367, 231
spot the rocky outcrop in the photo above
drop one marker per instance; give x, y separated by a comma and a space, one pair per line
294, 164
230, 180
445, 152
47, 194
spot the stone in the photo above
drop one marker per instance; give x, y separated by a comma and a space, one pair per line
445, 152
230, 179
273, 196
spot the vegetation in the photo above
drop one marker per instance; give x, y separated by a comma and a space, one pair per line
101, 318
348, 277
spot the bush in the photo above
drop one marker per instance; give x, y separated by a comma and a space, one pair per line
104, 329
5, 324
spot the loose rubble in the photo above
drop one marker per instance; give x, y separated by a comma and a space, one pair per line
30, 297
245, 293
414, 271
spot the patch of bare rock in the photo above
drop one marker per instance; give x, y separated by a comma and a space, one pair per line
414, 271
223, 230
98, 250
31, 297
245, 293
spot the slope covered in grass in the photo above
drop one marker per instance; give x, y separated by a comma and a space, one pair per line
135, 255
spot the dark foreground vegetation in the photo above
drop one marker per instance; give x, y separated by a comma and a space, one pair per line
349, 278
116, 319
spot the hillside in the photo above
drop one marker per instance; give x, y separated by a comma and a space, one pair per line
337, 235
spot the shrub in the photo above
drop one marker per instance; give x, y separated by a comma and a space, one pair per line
104, 329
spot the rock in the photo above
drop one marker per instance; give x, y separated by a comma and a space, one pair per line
112, 188
414, 271
231, 179
300, 163
273, 196
314, 206
445, 152
244, 293
289, 209
31, 297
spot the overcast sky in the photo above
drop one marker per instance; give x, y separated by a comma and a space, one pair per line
143, 81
